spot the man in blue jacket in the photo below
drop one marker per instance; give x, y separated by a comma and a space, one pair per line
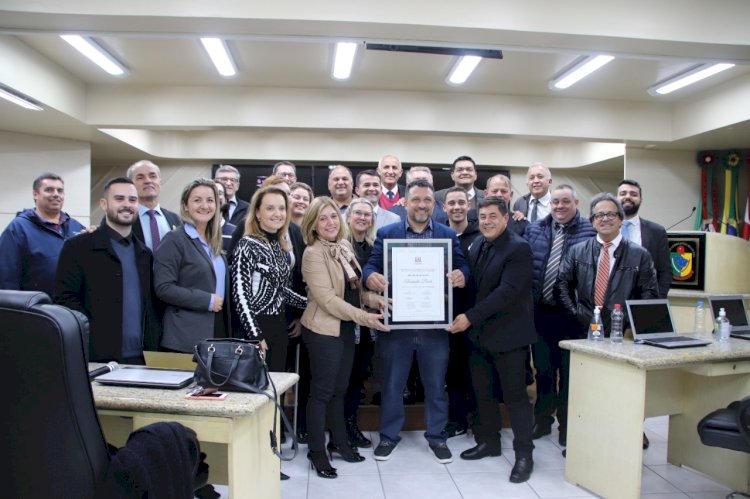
550, 239
31, 244
397, 348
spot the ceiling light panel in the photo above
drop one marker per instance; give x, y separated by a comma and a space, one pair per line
692, 75
343, 60
463, 69
18, 99
579, 70
219, 53
96, 53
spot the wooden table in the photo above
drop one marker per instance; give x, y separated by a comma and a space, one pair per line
233, 432
614, 386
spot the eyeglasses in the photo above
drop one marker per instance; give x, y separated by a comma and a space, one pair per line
362, 214
287, 175
464, 169
225, 180
609, 215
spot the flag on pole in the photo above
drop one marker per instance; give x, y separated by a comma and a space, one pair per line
729, 216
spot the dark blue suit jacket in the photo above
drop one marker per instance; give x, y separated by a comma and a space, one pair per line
398, 231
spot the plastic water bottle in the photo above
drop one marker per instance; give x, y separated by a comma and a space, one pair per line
596, 330
700, 325
615, 331
725, 328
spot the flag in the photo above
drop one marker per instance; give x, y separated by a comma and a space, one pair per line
729, 216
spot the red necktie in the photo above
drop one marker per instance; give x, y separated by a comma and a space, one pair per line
602, 276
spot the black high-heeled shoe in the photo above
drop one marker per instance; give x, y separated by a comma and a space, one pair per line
319, 463
345, 451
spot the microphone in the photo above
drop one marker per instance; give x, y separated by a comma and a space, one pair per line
111, 366
679, 222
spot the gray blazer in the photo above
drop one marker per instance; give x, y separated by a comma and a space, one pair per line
184, 279
385, 217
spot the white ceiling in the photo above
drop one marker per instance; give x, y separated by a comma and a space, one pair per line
282, 47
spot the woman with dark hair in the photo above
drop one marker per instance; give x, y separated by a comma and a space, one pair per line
261, 271
302, 195
335, 298
190, 272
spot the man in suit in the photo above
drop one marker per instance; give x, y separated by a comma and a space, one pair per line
229, 177
464, 174
107, 275
153, 222
535, 204
501, 328
227, 229
368, 187
499, 186
430, 345
389, 170
416, 173
550, 239
650, 235
287, 171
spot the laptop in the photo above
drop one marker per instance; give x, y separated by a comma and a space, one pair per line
651, 323
146, 377
734, 306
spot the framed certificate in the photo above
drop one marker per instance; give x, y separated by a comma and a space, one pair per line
417, 274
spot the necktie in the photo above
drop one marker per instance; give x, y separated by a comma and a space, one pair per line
553, 263
602, 276
155, 239
535, 210
390, 195
482, 259
625, 229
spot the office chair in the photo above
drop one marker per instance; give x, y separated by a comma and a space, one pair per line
728, 429
50, 437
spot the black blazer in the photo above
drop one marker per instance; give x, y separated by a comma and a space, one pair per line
501, 308
654, 239
89, 280
240, 212
173, 219
184, 279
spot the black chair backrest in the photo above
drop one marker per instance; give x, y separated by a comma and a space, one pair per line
50, 437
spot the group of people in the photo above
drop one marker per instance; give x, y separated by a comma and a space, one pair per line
288, 268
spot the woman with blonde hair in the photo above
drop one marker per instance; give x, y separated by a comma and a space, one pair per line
190, 272
335, 298
261, 271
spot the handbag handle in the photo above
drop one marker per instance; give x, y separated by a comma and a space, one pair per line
211, 349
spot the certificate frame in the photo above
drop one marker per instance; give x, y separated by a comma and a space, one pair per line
424, 294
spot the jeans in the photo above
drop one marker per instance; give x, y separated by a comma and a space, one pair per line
397, 349
330, 365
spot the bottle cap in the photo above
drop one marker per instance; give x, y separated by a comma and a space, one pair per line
699, 302
617, 306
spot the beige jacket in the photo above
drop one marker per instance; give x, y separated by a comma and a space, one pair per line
324, 279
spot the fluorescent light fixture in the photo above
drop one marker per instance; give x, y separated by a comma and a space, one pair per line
692, 75
219, 53
96, 54
18, 99
463, 69
579, 70
343, 60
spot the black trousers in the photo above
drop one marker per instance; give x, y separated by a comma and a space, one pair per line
461, 399
303, 385
277, 339
511, 369
363, 352
331, 360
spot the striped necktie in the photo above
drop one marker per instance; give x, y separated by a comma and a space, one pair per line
553, 263
602, 276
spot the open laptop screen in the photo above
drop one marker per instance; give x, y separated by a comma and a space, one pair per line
650, 317
734, 308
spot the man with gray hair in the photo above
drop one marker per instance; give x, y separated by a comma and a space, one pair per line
535, 205
286, 170
229, 177
415, 173
390, 170
153, 222
499, 186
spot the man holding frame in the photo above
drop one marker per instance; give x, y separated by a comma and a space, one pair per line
428, 341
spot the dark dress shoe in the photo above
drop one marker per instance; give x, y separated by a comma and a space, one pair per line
522, 470
538, 431
282, 476
563, 437
480, 451
646, 443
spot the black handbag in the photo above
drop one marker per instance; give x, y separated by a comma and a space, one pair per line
239, 366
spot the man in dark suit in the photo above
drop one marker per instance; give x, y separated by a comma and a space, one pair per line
430, 345
464, 174
501, 319
650, 235
390, 170
535, 204
499, 186
229, 177
153, 222
107, 275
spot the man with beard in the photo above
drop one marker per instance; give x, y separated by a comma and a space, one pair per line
368, 187
107, 275
650, 235
397, 348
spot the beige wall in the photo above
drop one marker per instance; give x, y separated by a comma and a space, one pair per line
24, 157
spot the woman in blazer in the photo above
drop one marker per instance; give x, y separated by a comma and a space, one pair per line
334, 303
190, 273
